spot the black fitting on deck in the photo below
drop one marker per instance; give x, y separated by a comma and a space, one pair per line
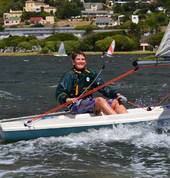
135, 65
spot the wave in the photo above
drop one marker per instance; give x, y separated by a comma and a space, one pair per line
8, 95
139, 135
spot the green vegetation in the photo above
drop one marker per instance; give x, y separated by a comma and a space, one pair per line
92, 42
155, 39
128, 38
6, 5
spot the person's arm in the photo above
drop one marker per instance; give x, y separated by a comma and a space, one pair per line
63, 89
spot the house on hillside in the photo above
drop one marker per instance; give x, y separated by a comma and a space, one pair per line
39, 20
135, 19
36, 6
103, 22
93, 10
12, 18
36, 20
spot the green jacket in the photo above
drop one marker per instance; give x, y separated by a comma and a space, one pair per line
73, 83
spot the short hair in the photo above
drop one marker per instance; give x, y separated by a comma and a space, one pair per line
75, 54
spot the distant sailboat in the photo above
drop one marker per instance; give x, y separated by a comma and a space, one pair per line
61, 50
111, 49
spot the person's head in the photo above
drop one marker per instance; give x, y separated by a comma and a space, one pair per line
79, 60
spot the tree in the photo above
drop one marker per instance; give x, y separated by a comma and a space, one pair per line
61, 37
51, 45
154, 40
155, 20
1, 28
71, 46
102, 45
25, 45
68, 10
2, 44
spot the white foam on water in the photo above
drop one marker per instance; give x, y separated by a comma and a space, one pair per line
140, 136
26, 60
8, 95
153, 140
53, 86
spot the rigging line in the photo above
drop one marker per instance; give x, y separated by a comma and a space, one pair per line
134, 104
163, 99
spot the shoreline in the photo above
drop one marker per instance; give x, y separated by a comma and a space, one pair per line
86, 52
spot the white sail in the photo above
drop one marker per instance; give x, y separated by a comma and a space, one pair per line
111, 49
164, 47
61, 50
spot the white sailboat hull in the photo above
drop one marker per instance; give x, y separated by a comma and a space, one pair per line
60, 55
64, 124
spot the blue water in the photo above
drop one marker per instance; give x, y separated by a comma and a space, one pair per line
27, 86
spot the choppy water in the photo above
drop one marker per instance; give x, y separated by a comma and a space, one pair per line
27, 86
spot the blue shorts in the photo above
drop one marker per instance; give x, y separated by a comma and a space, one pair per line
85, 106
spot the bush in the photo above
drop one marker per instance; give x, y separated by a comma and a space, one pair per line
155, 39
38, 25
44, 50
1, 28
124, 43
14, 40
25, 45
71, 46
51, 45
102, 45
61, 37
2, 44
90, 40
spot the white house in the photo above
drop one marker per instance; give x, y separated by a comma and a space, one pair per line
135, 19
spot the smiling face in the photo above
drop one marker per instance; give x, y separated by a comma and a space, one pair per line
79, 62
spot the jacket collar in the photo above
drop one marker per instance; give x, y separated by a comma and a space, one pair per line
80, 71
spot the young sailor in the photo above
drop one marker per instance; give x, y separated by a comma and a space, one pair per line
77, 81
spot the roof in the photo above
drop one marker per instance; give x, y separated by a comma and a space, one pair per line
88, 5
103, 20
36, 19
94, 12
13, 18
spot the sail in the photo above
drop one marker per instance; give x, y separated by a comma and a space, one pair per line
61, 50
164, 47
111, 49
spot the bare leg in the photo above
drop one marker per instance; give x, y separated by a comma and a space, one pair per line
102, 105
118, 107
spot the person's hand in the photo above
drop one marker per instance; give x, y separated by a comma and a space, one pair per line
121, 98
71, 100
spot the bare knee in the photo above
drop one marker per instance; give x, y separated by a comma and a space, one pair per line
100, 100
115, 102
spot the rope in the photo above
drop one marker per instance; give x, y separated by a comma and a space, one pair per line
163, 99
134, 104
